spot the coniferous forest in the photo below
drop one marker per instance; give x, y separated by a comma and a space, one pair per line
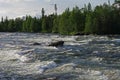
102, 19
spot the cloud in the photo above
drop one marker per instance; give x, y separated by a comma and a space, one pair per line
48, 0
15, 8
11, 1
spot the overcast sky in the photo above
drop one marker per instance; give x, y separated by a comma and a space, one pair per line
19, 8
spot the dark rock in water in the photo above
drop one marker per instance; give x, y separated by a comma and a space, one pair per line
36, 43
58, 43
79, 33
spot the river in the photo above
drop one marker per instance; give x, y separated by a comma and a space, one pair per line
87, 57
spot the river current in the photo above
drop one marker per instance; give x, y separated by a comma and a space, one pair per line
87, 57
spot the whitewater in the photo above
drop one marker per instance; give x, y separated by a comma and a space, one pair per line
86, 57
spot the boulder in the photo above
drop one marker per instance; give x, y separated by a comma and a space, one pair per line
36, 43
56, 44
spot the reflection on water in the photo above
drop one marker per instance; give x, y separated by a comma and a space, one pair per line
81, 58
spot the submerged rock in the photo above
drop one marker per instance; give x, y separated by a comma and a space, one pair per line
56, 44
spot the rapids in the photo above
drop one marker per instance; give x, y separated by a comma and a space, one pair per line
87, 57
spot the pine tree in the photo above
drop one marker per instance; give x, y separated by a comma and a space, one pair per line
43, 12
11, 26
88, 24
44, 24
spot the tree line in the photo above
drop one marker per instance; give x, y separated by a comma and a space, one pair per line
103, 19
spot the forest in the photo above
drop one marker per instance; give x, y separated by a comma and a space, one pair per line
102, 19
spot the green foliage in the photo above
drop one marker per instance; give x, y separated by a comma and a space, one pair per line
103, 19
117, 1
88, 24
11, 26
75, 18
44, 24
55, 24
17, 24
64, 25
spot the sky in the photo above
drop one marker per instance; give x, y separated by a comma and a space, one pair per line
19, 8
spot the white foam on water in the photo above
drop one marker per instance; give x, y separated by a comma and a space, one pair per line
116, 40
72, 43
95, 52
9, 63
4, 35
91, 74
67, 67
82, 42
25, 55
49, 47
65, 38
94, 73
15, 60
7, 54
9, 57
96, 59
23, 52
46, 65
24, 59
